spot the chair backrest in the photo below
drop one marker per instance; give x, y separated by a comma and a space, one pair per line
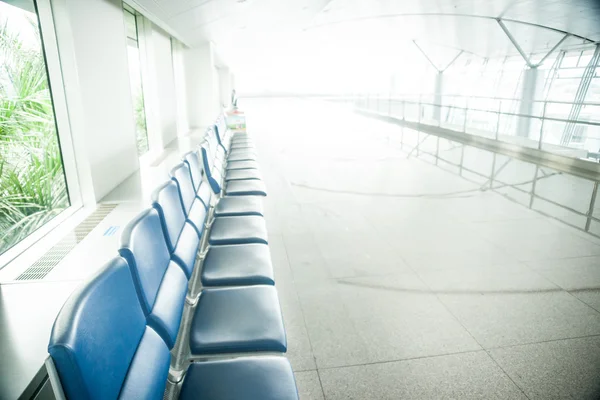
101, 345
181, 236
219, 137
205, 194
167, 201
181, 174
207, 161
160, 282
196, 168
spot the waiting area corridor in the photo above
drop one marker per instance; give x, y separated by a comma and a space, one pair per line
398, 279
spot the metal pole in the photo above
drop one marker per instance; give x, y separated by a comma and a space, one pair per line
462, 157
403, 119
493, 172
419, 127
590, 212
466, 113
533, 187
498, 119
542, 127
437, 150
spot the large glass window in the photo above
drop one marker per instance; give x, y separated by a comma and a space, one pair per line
135, 78
33, 187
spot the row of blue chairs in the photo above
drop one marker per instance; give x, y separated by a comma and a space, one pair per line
188, 309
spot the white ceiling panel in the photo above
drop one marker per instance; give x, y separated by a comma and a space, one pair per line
249, 29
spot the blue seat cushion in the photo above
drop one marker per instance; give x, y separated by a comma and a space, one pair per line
238, 230
242, 174
238, 265
242, 146
247, 164
242, 152
187, 249
246, 188
247, 141
247, 378
241, 157
237, 320
239, 205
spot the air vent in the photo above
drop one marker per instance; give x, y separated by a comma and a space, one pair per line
48, 261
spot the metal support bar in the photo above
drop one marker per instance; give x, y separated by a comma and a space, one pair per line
590, 212
532, 194
552, 50
425, 54
580, 95
515, 43
498, 119
452, 62
462, 158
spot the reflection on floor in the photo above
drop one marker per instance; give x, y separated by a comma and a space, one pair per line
431, 288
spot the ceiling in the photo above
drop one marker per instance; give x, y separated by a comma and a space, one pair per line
248, 31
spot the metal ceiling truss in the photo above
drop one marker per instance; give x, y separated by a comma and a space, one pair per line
520, 49
432, 63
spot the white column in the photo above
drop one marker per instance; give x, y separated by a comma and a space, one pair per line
225, 87
100, 95
202, 86
437, 98
532, 87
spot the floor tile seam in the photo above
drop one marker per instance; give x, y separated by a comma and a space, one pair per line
304, 319
398, 360
478, 343
493, 348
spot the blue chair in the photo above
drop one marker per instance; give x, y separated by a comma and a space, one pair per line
161, 282
246, 187
227, 143
229, 206
226, 206
224, 265
195, 211
181, 235
103, 349
162, 286
237, 265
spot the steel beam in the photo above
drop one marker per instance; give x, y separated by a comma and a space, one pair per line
515, 43
552, 50
425, 55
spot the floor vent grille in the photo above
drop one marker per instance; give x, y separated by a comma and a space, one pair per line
45, 264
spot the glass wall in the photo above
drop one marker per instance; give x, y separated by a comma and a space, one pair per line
135, 78
33, 187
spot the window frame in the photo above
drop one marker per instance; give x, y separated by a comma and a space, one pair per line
54, 73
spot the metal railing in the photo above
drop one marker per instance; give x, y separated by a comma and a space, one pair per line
430, 135
499, 121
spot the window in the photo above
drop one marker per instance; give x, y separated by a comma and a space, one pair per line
33, 188
135, 77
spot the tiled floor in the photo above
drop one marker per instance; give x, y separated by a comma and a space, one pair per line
400, 280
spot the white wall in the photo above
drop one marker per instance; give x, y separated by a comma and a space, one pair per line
202, 86
104, 100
